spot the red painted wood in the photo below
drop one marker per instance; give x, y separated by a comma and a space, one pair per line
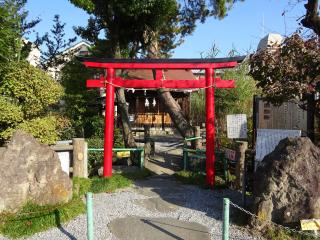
109, 121
161, 65
93, 83
173, 84
209, 82
210, 131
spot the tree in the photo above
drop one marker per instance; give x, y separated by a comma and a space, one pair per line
80, 103
13, 27
146, 26
27, 95
289, 72
54, 56
312, 19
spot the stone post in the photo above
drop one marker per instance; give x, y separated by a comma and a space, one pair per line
79, 158
197, 133
240, 165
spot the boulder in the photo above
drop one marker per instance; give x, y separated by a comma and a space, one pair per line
287, 183
31, 172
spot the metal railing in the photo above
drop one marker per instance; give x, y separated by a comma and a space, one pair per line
226, 216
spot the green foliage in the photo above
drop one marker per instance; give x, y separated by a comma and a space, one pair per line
81, 105
44, 129
27, 95
238, 100
145, 21
137, 175
55, 44
13, 27
10, 113
275, 233
24, 223
117, 181
195, 178
118, 138
80, 186
94, 127
288, 72
99, 185
29, 87
95, 158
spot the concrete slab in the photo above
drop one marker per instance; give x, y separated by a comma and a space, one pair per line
135, 228
161, 205
156, 187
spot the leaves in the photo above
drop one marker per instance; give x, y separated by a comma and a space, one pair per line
132, 23
26, 95
29, 87
55, 44
287, 72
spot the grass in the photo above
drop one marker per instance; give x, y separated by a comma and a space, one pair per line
194, 178
21, 224
138, 175
24, 223
273, 233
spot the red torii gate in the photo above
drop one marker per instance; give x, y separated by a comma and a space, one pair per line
158, 65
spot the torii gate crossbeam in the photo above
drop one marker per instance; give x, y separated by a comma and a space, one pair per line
111, 81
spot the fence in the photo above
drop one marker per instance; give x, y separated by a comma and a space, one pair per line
226, 220
140, 152
73, 156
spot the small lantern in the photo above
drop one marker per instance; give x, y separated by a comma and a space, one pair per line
146, 103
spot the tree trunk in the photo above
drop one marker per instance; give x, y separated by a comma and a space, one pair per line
128, 137
175, 112
124, 119
172, 107
312, 18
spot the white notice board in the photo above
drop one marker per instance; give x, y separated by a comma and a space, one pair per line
237, 126
268, 139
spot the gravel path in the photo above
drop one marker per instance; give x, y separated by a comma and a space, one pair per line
183, 202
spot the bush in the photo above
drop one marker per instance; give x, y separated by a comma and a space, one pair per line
27, 95
195, 178
95, 158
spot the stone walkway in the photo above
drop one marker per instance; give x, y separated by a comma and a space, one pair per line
157, 209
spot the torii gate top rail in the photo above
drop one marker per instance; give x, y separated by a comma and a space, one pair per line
175, 63
111, 81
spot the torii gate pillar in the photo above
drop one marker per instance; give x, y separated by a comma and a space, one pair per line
210, 131
109, 122
209, 83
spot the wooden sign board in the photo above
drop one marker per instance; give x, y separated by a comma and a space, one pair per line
286, 116
125, 154
230, 154
237, 126
268, 139
310, 225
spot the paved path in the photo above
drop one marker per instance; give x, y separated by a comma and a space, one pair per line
159, 207
168, 155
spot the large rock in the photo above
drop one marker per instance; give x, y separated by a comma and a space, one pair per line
31, 172
287, 183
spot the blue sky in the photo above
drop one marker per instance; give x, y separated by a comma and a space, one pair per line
242, 29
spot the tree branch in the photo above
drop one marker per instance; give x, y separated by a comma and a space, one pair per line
312, 18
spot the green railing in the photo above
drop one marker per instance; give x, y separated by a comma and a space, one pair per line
140, 152
200, 155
